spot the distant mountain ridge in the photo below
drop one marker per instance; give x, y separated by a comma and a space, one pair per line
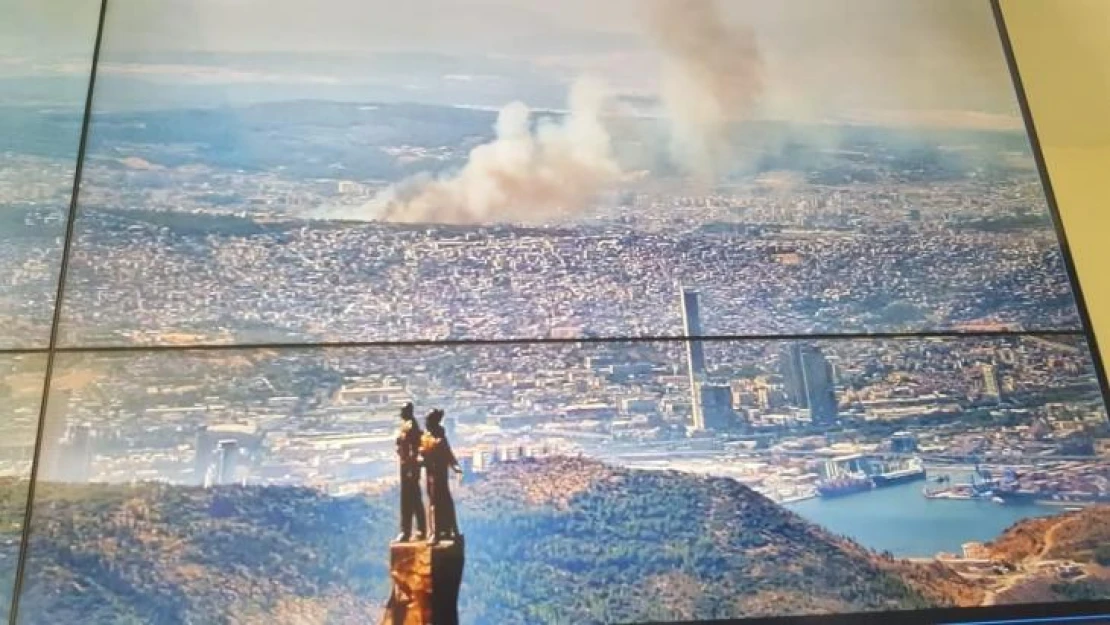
552, 541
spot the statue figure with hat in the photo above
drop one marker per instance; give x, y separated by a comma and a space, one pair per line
408, 456
438, 461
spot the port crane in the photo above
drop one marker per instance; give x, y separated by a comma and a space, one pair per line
982, 482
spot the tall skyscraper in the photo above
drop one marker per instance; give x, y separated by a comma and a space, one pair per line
695, 355
691, 326
710, 404
808, 381
793, 376
820, 389
227, 462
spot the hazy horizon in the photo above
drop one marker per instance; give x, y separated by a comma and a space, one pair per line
920, 63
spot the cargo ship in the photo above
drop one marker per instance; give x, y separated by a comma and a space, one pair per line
960, 492
841, 486
911, 473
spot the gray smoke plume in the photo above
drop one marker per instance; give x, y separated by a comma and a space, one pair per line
712, 79
522, 175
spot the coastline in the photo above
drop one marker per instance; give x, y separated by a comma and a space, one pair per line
900, 520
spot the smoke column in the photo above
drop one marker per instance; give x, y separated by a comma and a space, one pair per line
712, 78
520, 176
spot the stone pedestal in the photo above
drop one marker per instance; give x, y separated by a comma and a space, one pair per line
426, 580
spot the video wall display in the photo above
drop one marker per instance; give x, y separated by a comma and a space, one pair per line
509, 311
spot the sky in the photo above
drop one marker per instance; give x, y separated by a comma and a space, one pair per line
931, 62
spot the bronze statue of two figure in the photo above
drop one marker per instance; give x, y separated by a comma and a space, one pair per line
426, 574
431, 451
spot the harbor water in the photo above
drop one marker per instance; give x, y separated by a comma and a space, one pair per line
900, 520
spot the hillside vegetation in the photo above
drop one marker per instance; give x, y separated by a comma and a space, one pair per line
1061, 558
554, 541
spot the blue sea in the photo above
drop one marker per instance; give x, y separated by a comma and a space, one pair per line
900, 520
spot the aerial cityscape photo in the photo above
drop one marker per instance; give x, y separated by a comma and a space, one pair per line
204, 483
295, 221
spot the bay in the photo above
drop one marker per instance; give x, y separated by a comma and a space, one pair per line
900, 520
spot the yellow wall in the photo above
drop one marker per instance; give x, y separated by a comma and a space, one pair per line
1062, 49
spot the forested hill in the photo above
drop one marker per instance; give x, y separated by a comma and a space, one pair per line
553, 541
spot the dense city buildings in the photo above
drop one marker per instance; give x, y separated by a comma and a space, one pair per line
163, 255
325, 418
205, 254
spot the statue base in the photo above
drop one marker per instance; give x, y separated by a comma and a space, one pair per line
426, 580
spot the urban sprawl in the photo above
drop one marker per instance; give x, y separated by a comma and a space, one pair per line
197, 254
